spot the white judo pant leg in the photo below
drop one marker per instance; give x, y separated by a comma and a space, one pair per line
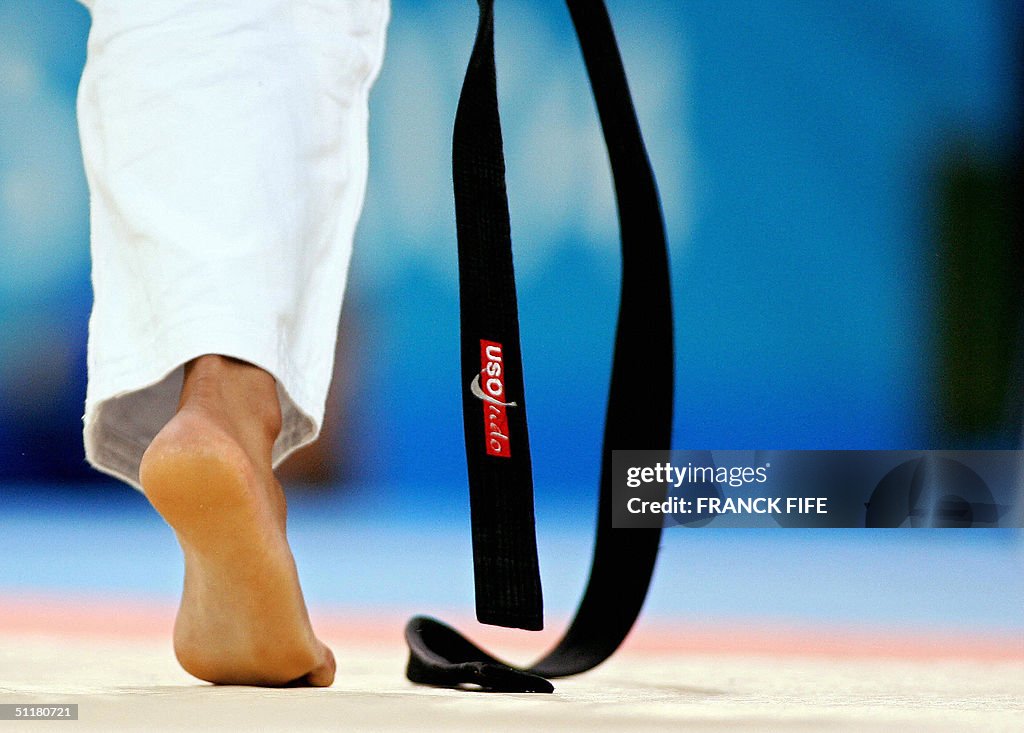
225, 146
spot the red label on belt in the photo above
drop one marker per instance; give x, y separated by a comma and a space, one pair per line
489, 387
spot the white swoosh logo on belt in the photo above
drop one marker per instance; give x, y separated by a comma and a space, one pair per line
474, 387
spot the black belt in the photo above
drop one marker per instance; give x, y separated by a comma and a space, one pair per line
639, 414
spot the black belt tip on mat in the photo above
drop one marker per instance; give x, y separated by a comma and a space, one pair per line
441, 656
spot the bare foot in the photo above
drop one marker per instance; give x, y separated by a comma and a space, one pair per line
242, 618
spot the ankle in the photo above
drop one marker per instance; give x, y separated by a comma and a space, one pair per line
238, 391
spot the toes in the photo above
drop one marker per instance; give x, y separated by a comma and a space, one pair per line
322, 675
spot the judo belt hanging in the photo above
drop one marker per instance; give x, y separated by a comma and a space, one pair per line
639, 413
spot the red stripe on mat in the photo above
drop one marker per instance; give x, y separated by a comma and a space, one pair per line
132, 618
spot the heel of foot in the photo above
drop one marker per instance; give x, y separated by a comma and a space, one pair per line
196, 487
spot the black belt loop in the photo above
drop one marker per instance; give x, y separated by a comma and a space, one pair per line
639, 413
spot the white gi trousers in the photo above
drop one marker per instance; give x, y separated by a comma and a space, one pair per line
225, 147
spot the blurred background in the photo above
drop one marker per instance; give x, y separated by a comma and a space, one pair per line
842, 188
